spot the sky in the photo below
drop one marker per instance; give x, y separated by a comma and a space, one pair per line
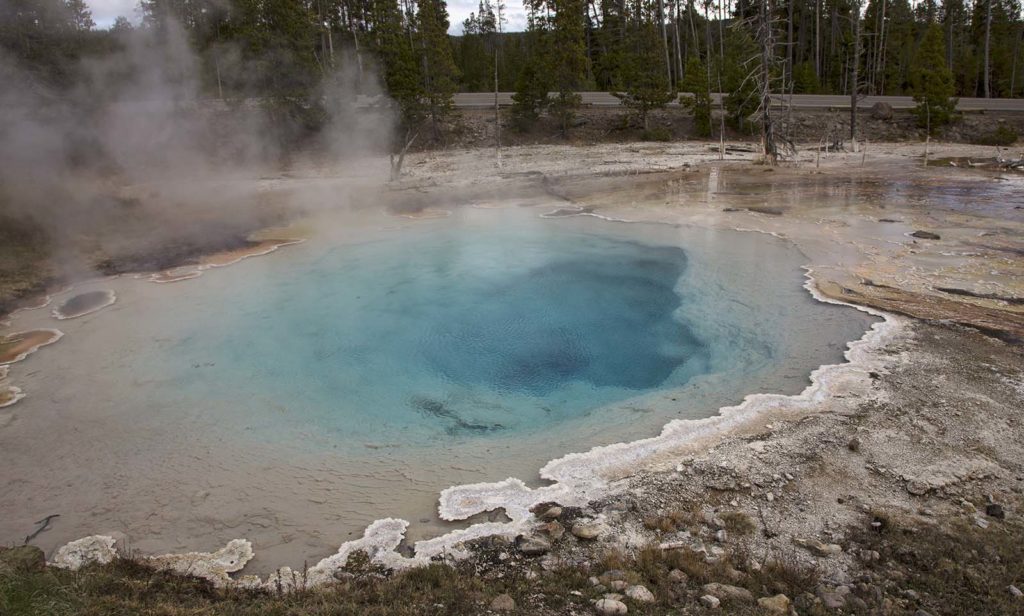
105, 11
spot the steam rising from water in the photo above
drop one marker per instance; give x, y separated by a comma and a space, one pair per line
132, 156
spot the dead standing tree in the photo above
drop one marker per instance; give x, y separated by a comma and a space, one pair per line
765, 73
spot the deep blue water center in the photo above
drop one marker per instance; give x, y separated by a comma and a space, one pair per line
455, 332
603, 321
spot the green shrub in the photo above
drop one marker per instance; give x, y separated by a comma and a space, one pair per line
656, 134
1004, 135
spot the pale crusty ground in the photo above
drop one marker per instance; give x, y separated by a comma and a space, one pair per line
945, 410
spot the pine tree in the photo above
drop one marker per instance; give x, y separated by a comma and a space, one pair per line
568, 61
647, 84
696, 83
531, 96
440, 75
932, 81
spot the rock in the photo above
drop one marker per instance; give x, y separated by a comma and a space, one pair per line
552, 513
534, 546
713, 521
503, 603
710, 602
854, 444
832, 600
922, 613
22, 558
640, 594
81, 552
613, 596
779, 604
925, 235
610, 607
611, 575
213, 566
858, 605
881, 111
588, 530
554, 530
678, 577
818, 548
981, 522
728, 593
995, 510
769, 497
1016, 592
618, 585
721, 536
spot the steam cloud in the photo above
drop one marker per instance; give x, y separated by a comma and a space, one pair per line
132, 156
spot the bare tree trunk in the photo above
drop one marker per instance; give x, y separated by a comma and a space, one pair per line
679, 46
664, 41
721, 94
881, 53
854, 79
988, 44
767, 41
396, 164
1013, 71
817, 39
790, 48
497, 115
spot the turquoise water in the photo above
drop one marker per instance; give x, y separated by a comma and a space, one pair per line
493, 331
294, 398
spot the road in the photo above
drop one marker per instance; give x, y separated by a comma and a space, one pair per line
806, 101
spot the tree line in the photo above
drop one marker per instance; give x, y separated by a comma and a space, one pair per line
645, 51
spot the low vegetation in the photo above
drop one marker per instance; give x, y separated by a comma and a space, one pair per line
957, 568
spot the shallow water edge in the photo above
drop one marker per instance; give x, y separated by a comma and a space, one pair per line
577, 478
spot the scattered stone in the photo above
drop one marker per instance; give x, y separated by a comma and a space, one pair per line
503, 603
1016, 592
832, 600
818, 548
911, 594
981, 522
995, 510
593, 580
81, 552
613, 596
710, 602
713, 521
925, 235
770, 497
554, 529
610, 607
721, 536
950, 472
22, 558
779, 604
678, 577
552, 513
858, 605
618, 585
854, 444
588, 530
640, 594
881, 111
612, 574
728, 593
534, 546
922, 613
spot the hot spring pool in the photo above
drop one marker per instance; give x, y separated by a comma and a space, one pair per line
294, 398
